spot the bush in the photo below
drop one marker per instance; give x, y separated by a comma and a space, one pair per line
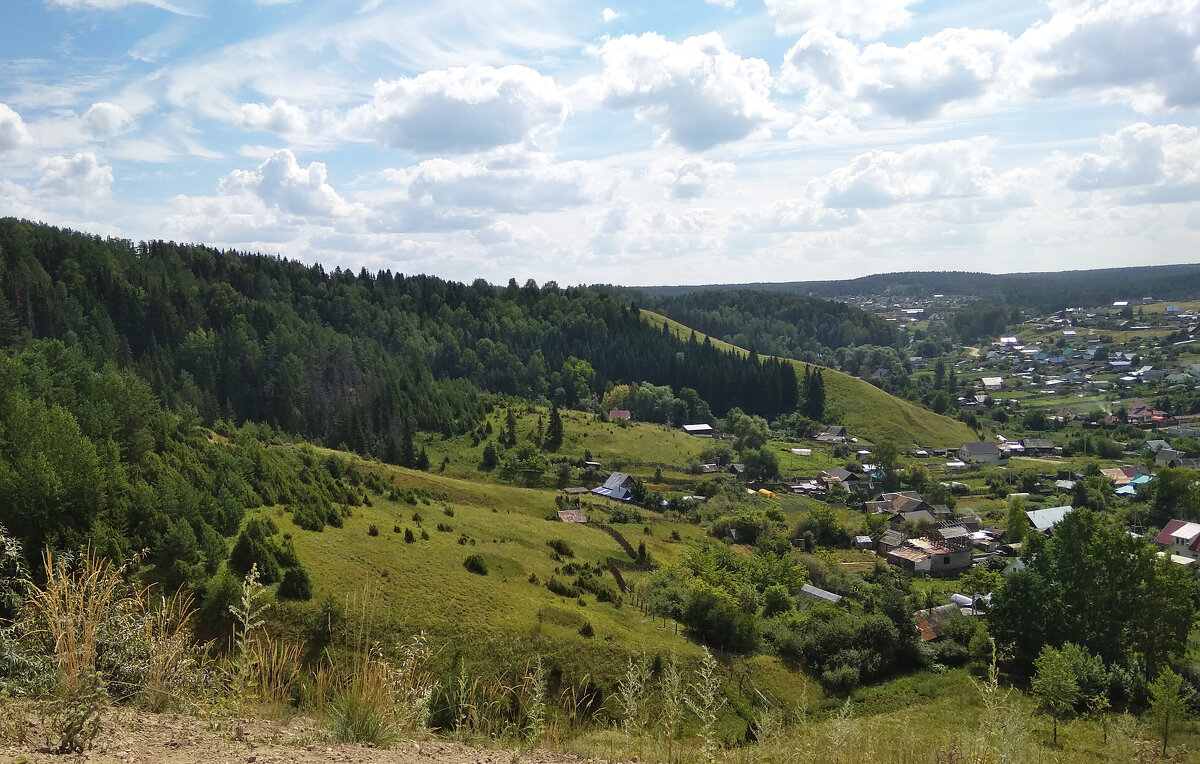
296, 585
409, 538
841, 680
586, 631
372, 531
475, 564
562, 547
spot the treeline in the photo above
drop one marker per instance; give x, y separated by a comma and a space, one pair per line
774, 323
361, 360
1045, 292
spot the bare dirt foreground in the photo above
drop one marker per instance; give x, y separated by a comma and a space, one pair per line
141, 737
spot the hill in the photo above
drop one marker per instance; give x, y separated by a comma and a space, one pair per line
1045, 292
867, 411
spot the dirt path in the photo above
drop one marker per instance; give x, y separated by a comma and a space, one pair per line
140, 737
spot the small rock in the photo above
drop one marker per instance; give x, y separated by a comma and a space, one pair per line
251, 759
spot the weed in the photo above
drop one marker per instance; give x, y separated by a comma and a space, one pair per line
705, 701
632, 692
671, 715
535, 692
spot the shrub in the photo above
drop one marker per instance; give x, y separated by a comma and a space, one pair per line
372, 531
296, 585
408, 536
424, 535
562, 588
475, 564
586, 631
395, 529
448, 512
562, 547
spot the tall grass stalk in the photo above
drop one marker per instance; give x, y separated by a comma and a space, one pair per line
632, 692
705, 701
535, 693
672, 705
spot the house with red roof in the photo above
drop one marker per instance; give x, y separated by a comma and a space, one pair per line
1180, 540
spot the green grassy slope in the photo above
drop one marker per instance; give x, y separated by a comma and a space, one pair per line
869, 412
500, 621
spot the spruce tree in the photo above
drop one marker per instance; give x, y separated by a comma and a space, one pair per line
554, 432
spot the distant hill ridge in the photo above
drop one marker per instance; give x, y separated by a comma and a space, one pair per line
1046, 292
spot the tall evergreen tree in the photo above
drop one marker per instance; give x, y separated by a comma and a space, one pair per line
554, 431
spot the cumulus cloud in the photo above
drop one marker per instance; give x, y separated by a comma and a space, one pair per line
280, 117
13, 134
1148, 163
106, 120
879, 178
692, 177
609, 15
866, 19
697, 92
533, 185
463, 109
282, 184
912, 82
1139, 52
80, 178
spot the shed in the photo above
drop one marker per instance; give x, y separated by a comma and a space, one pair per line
698, 429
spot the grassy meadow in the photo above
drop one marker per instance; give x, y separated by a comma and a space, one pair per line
868, 412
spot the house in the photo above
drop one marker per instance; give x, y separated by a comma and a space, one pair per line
1044, 520
1180, 540
1155, 445
577, 516
1117, 475
980, 453
836, 476
709, 468
935, 557
701, 430
863, 542
916, 516
1168, 457
617, 487
889, 541
1178, 378
1038, 445
992, 383
832, 434
619, 414
808, 591
899, 501
931, 624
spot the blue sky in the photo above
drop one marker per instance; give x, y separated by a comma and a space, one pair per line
678, 141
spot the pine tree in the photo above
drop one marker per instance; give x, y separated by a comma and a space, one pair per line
554, 432
422, 460
510, 425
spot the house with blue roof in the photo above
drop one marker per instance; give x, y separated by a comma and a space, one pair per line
618, 487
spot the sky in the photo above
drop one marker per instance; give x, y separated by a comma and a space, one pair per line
649, 142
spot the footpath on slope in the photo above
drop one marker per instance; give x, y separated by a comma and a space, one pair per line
129, 736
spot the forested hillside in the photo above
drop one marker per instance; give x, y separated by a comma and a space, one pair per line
362, 360
774, 323
1044, 292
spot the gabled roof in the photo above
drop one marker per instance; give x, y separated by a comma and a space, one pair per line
617, 480
1044, 519
1180, 531
980, 448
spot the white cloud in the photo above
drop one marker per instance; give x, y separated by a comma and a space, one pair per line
723, 3
913, 82
282, 184
692, 177
866, 19
13, 133
924, 173
112, 5
463, 109
106, 120
280, 117
609, 15
1147, 163
533, 184
80, 178
1142, 53
697, 92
